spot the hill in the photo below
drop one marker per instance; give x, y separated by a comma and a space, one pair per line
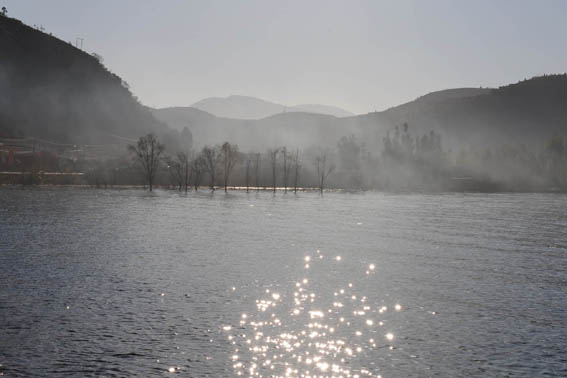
52, 90
292, 129
245, 107
529, 112
432, 99
301, 129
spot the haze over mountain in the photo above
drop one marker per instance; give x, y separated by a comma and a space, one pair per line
245, 107
53, 90
71, 97
528, 112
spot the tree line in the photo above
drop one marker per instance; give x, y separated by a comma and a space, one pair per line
188, 170
406, 161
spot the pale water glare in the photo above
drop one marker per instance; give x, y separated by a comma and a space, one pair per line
301, 334
125, 283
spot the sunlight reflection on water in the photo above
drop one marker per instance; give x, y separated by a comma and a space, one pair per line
303, 333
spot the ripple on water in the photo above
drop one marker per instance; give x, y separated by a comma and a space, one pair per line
305, 333
467, 284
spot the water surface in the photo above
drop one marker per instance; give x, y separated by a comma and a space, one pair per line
120, 283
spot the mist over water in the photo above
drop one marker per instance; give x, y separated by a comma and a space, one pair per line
119, 282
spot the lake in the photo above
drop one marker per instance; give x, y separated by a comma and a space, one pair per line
114, 283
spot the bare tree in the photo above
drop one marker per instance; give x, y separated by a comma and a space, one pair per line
323, 171
147, 152
176, 169
229, 158
188, 171
286, 167
273, 156
211, 160
198, 167
297, 167
257, 171
248, 166
179, 169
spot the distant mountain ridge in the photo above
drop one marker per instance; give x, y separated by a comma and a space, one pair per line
301, 129
246, 107
528, 112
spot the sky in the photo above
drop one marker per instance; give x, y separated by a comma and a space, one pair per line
359, 55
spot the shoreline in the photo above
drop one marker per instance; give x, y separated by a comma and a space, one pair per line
278, 189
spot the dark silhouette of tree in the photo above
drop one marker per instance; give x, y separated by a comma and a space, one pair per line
297, 167
286, 167
175, 171
211, 159
4, 12
248, 168
229, 158
323, 169
198, 167
257, 172
178, 168
188, 172
147, 152
273, 156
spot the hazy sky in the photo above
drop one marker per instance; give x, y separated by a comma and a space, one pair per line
359, 55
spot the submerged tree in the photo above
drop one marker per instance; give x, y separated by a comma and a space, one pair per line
175, 171
211, 159
188, 172
248, 167
323, 170
198, 167
179, 169
257, 172
273, 156
286, 167
147, 152
297, 167
229, 158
